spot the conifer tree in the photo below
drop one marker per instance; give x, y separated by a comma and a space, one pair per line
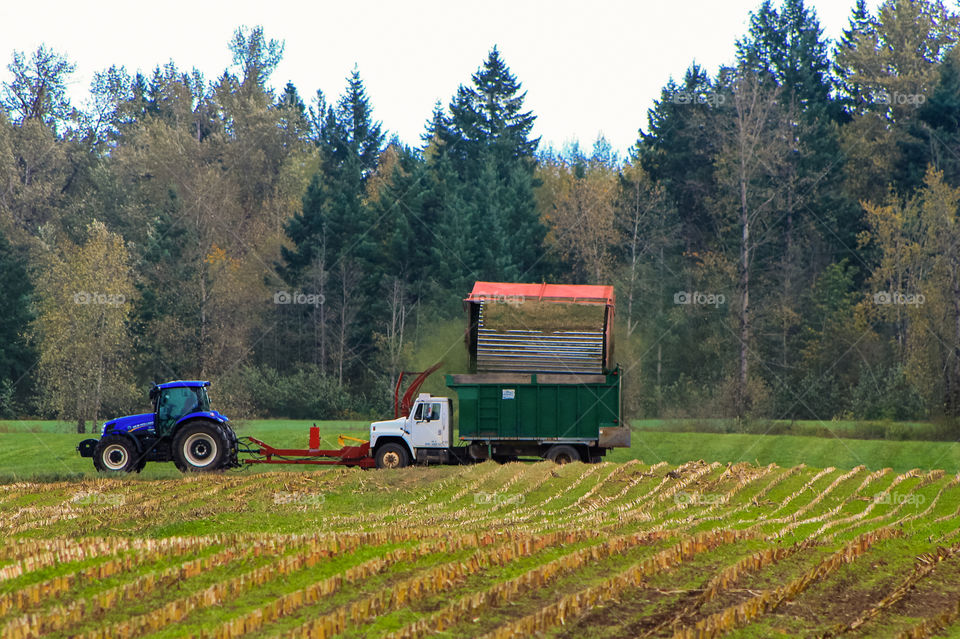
487, 140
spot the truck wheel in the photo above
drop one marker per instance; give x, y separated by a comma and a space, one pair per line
116, 454
200, 447
392, 456
562, 454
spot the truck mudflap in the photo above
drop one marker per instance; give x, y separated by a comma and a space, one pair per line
614, 437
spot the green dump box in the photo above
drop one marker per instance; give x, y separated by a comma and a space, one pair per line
541, 408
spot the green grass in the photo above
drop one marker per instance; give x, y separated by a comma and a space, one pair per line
32, 449
853, 429
790, 450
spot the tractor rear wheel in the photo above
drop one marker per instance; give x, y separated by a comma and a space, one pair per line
200, 446
116, 454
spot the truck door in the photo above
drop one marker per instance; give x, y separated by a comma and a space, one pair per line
430, 424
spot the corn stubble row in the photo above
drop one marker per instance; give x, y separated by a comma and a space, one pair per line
435, 580
318, 547
595, 511
576, 604
739, 615
431, 580
538, 577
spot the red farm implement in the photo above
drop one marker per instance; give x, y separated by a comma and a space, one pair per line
262, 453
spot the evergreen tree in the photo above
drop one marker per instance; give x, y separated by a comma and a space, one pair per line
294, 121
334, 222
337, 237
861, 25
487, 140
937, 129
678, 148
893, 61
15, 317
787, 46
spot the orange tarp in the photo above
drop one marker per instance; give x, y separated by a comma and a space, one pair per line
576, 293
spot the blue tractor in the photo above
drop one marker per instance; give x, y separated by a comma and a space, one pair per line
182, 428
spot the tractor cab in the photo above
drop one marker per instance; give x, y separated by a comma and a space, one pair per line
173, 401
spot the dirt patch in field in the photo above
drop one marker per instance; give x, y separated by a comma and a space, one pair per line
628, 617
840, 602
930, 597
842, 599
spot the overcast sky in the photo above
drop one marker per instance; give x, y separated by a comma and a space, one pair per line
588, 67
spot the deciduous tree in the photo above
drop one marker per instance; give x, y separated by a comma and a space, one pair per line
84, 303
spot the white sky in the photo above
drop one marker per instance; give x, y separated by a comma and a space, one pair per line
588, 67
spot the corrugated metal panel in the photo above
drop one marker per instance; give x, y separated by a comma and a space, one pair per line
539, 351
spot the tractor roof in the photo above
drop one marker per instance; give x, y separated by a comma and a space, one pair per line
181, 383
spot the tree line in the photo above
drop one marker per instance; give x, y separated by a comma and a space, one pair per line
783, 236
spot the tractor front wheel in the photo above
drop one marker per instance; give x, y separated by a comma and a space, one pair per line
200, 446
116, 454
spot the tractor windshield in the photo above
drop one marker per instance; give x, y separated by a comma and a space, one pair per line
203, 400
176, 402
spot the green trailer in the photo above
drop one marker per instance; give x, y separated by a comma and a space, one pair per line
506, 416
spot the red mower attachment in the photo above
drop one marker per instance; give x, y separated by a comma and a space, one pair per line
345, 456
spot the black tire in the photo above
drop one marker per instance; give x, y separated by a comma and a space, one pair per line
201, 447
562, 454
230, 436
392, 456
116, 454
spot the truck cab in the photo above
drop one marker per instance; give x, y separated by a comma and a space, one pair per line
424, 435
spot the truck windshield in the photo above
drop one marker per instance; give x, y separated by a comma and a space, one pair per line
426, 412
